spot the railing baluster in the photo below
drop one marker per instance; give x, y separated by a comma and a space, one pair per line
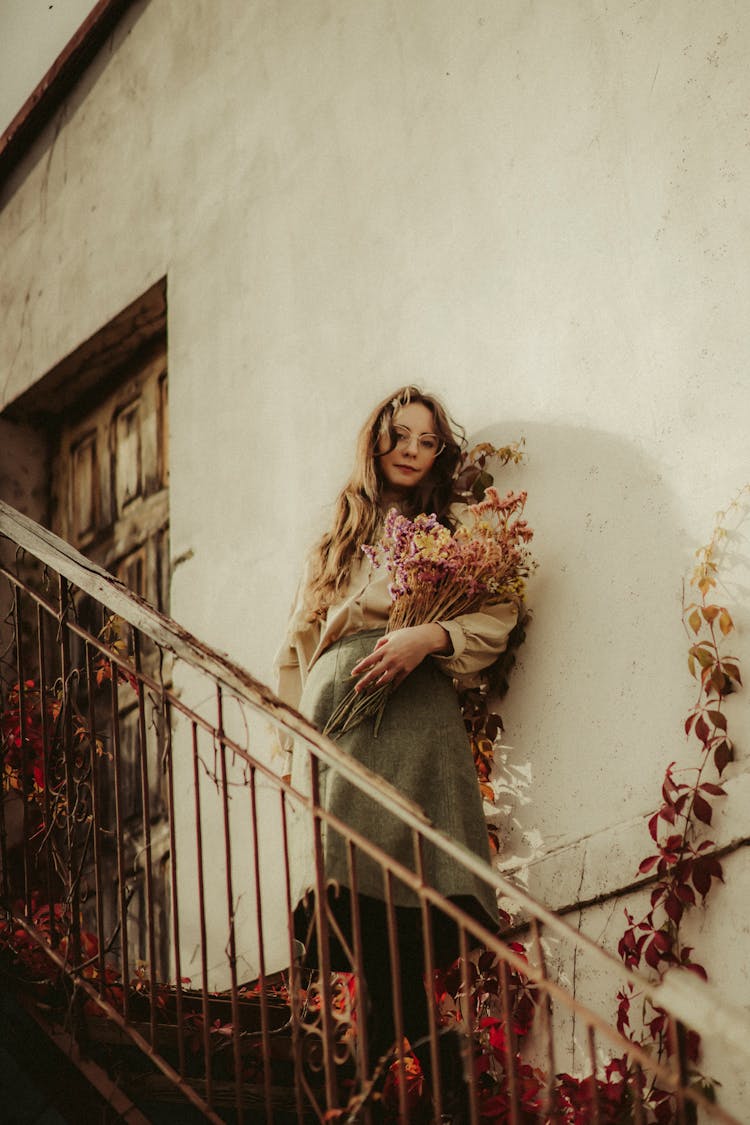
24, 750
230, 909
398, 1010
122, 898
202, 916
264, 1025
550, 1107
142, 744
636, 1089
676, 1040
174, 875
295, 983
363, 998
46, 778
467, 1041
509, 1044
321, 921
96, 811
595, 1110
6, 889
428, 943
70, 779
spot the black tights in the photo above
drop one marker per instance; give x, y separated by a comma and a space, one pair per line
376, 959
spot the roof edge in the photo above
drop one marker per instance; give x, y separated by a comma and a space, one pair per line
62, 76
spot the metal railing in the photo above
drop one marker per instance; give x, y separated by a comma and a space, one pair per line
147, 886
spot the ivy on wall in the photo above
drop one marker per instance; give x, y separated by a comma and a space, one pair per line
682, 862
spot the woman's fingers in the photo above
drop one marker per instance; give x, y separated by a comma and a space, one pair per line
373, 669
390, 661
378, 674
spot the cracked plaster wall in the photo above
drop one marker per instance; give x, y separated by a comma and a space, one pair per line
538, 211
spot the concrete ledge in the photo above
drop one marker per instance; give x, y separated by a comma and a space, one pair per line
596, 868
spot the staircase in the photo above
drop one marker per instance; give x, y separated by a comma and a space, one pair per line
146, 933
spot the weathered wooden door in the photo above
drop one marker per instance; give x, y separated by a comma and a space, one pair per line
111, 479
110, 500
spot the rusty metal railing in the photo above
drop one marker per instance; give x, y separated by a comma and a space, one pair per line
147, 883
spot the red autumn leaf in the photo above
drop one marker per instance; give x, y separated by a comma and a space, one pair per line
658, 949
701, 729
718, 719
674, 908
517, 947
627, 941
702, 809
668, 788
657, 895
680, 803
723, 755
685, 893
733, 671
704, 870
714, 790
647, 864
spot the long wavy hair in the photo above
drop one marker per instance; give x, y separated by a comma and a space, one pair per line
358, 510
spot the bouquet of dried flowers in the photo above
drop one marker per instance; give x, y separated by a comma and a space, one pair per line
436, 574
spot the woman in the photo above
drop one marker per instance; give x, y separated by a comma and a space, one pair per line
407, 457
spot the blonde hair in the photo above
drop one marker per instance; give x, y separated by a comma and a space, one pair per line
357, 512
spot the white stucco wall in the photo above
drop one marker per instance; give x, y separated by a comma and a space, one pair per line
538, 211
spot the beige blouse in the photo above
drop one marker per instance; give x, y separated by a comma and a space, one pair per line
477, 638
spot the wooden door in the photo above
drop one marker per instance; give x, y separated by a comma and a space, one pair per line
111, 480
110, 500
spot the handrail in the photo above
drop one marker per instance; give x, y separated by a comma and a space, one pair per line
687, 999
94, 580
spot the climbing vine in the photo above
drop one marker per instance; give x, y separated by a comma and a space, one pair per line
682, 863
682, 859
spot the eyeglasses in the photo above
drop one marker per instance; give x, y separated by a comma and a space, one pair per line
427, 443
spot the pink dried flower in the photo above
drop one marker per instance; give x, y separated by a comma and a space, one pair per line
436, 575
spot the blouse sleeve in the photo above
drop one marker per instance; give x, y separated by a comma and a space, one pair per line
288, 675
477, 638
288, 685
290, 662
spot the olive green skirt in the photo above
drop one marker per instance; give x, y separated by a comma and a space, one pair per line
422, 749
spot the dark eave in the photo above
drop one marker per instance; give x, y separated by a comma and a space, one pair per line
70, 64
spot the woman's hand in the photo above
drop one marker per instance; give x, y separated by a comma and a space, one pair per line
398, 653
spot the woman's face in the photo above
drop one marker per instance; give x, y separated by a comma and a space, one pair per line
409, 462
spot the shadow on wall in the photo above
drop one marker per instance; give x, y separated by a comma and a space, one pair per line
592, 714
